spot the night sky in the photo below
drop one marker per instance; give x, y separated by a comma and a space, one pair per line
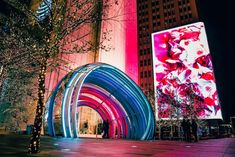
219, 19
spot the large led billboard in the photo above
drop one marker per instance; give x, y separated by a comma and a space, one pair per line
183, 74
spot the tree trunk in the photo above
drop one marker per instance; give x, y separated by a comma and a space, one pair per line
2, 78
35, 137
160, 132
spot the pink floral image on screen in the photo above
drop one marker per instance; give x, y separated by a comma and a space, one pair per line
183, 73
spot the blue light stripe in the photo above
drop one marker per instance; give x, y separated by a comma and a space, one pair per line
130, 102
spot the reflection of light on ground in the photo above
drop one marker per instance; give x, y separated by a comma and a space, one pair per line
65, 149
14, 145
89, 136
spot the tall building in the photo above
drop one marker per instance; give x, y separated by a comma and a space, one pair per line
158, 15
118, 35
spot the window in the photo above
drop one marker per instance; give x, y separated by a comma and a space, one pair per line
149, 62
148, 50
145, 62
154, 24
144, 51
155, 3
145, 74
149, 73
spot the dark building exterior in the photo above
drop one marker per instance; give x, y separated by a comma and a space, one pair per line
158, 15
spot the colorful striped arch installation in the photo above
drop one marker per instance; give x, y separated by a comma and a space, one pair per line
108, 91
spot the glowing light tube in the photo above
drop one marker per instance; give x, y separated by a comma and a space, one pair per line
122, 101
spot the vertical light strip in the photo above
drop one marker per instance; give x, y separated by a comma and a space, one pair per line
66, 103
78, 84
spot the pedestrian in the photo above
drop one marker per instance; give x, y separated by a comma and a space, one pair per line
188, 131
183, 125
106, 129
116, 132
194, 130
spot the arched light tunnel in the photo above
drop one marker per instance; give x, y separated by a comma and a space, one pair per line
108, 91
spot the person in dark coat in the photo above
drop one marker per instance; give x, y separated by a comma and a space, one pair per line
183, 125
106, 129
188, 131
194, 130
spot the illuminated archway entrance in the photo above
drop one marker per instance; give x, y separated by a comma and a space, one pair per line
90, 124
111, 93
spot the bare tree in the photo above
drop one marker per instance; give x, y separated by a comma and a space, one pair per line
17, 71
49, 27
17, 99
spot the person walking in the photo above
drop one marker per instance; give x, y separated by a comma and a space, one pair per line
194, 130
183, 125
106, 129
188, 131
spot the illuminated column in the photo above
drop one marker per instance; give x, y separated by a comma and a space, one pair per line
118, 35
113, 36
131, 49
121, 39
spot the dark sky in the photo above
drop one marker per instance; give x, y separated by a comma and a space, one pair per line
219, 19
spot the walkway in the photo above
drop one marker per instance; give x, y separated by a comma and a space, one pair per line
16, 146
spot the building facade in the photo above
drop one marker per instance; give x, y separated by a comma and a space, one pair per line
154, 16
118, 38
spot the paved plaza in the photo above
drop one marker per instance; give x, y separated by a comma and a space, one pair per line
16, 145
